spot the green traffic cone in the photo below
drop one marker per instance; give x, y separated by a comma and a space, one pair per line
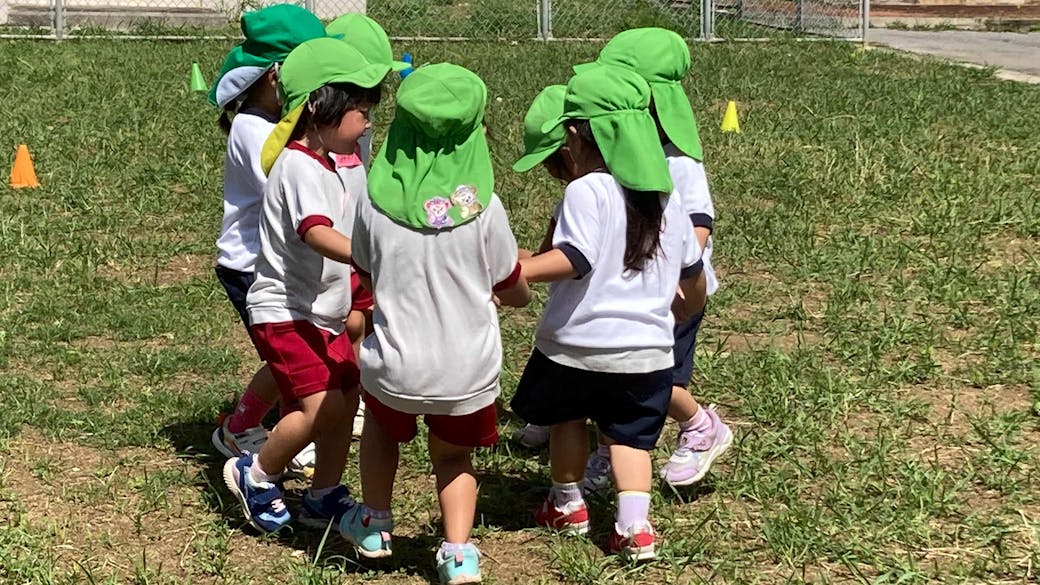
197, 83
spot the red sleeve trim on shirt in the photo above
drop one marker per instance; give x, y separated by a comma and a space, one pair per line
312, 221
510, 280
361, 271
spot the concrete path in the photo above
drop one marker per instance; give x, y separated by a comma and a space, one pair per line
1017, 54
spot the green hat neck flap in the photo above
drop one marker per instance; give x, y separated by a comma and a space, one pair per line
663, 59
614, 100
270, 35
313, 64
434, 170
365, 35
538, 145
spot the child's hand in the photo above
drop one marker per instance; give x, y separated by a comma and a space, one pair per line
496, 300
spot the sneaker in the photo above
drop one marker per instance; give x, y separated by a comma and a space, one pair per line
319, 512
462, 566
233, 445
302, 466
370, 536
695, 452
597, 473
532, 436
573, 518
636, 544
261, 502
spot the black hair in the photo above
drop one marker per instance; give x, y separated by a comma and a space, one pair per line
644, 213
329, 102
229, 111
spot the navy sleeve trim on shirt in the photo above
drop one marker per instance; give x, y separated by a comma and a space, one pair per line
702, 220
692, 271
578, 260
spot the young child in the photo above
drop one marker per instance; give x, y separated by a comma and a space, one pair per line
433, 242
365, 35
247, 93
662, 58
301, 296
603, 347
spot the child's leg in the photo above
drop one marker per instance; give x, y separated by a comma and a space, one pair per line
568, 446
683, 406
320, 414
379, 459
633, 469
456, 488
332, 443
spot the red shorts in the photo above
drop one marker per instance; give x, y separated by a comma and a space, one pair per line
477, 429
360, 297
305, 360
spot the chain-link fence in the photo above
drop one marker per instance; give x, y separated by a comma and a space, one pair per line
453, 19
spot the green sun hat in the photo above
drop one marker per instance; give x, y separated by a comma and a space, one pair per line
270, 33
365, 35
663, 59
615, 100
538, 146
434, 169
313, 64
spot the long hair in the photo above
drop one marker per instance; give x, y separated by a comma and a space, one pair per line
644, 213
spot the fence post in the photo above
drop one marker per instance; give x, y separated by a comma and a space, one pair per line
798, 22
309, 5
705, 15
545, 19
864, 15
59, 19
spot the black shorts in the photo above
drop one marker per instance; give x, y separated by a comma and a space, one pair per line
236, 284
628, 408
685, 344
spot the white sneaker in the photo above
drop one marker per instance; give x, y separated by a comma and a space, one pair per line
532, 436
302, 465
233, 445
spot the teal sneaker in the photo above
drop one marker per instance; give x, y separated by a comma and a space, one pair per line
370, 536
457, 564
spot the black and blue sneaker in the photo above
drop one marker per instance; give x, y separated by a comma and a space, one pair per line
262, 502
318, 512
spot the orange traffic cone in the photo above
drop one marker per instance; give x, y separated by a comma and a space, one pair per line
22, 174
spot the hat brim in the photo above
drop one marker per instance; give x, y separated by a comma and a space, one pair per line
399, 66
581, 67
279, 137
236, 82
533, 159
676, 116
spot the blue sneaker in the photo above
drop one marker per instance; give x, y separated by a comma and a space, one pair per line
261, 502
459, 566
370, 536
318, 512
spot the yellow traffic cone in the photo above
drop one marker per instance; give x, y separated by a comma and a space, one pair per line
23, 174
730, 123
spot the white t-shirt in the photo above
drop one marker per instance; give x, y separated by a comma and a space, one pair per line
610, 319
244, 183
293, 281
436, 348
691, 182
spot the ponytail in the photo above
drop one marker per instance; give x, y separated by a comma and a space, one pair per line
644, 214
224, 121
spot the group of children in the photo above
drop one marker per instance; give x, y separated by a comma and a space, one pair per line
370, 285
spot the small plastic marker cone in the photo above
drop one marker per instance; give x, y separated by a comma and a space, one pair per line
23, 174
730, 123
197, 83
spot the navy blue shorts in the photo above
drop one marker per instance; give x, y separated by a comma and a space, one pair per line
236, 284
685, 344
628, 408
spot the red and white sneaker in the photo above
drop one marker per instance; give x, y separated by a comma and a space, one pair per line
573, 518
636, 544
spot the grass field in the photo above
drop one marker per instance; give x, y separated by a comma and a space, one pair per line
874, 342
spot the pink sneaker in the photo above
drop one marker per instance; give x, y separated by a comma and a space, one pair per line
695, 452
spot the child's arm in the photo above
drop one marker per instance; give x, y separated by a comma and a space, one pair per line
548, 239
516, 295
551, 266
691, 297
329, 243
